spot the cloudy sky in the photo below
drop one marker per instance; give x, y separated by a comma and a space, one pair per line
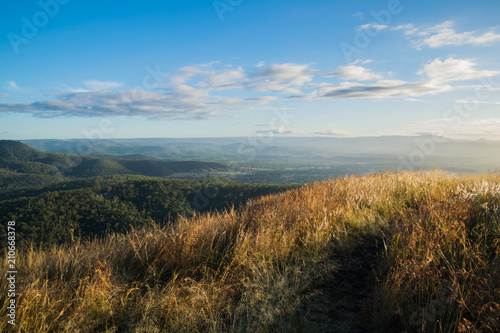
204, 68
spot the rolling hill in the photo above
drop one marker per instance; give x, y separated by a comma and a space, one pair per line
389, 152
21, 165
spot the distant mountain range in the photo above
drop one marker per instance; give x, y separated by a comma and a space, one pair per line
41, 162
418, 151
21, 165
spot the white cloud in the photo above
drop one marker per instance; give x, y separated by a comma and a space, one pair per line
185, 103
438, 77
207, 90
358, 73
186, 94
409, 29
453, 69
262, 100
94, 85
283, 78
101, 85
487, 122
443, 34
331, 132
279, 131
371, 26
208, 77
361, 15
13, 85
226, 79
476, 101
379, 89
359, 61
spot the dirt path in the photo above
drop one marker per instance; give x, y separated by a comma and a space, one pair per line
340, 295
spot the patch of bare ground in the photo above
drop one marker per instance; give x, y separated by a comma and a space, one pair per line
339, 298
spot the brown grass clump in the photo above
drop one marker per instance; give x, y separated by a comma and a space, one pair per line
253, 270
442, 269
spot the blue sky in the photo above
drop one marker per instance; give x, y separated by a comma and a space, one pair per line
203, 68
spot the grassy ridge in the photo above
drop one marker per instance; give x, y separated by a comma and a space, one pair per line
253, 270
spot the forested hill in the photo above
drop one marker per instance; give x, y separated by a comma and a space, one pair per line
19, 152
23, 166
93, 207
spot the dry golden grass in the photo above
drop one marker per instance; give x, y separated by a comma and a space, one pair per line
251, 270
442, 269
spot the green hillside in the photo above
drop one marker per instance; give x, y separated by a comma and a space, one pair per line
10, 180
22, 166
94, 207
15, 151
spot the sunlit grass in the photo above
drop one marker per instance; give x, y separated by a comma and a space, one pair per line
249, 270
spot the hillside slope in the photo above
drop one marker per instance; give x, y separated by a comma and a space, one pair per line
94, 207
379, 253
22, 166
388, 151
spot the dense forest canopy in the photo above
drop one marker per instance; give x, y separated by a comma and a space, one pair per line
22, 166
58, 198
92, 207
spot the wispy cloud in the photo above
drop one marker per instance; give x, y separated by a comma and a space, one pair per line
379, 89
331, 132
444, 35
260, 64
13, 85
206, 76
360, 15
353, 72
95, 85
283, 78
408, 29
280, 131
101, 85
438, 76
361, 61
375, 27
262, 100
215, 90
453, 69
466, 102
151, 104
